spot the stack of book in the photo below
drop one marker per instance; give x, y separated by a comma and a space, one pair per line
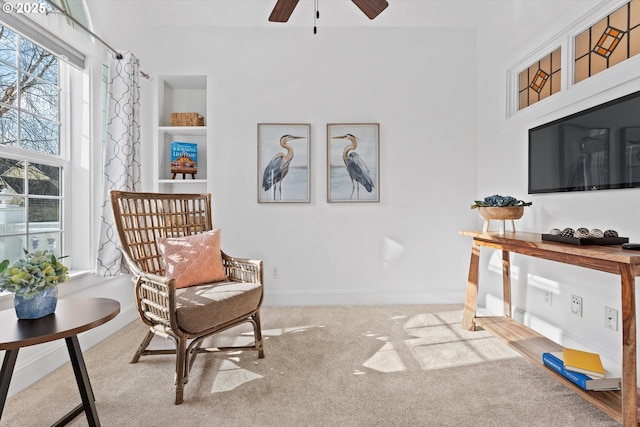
582, 368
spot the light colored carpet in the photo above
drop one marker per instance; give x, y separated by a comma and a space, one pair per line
401, 365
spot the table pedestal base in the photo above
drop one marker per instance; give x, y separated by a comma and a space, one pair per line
82, 379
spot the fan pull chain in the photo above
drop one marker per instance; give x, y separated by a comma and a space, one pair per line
316, 16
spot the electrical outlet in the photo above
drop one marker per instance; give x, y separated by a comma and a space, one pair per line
611, 318
275, 272
576, 305
547, 297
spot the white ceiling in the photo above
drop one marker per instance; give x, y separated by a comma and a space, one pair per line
336, 13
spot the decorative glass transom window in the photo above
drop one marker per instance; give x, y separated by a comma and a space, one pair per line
540, 80
613, 39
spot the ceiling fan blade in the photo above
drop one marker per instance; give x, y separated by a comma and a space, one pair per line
371, 8
282, 10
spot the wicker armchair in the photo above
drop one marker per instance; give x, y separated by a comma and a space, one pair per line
191, 314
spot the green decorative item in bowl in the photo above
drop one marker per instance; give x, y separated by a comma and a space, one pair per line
34, 280
500, 208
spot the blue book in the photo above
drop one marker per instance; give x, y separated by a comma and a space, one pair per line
184, 158
555, 362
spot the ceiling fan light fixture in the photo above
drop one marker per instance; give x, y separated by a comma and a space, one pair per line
282, 10
316, 16
371, 8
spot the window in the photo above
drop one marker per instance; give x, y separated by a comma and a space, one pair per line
540, 80
32, 157
608, 42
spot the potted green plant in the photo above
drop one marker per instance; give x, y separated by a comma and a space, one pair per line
501, 208
33, 279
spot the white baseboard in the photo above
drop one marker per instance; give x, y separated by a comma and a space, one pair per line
362, 297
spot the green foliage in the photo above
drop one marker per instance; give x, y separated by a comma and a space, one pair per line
499, 201
33, 273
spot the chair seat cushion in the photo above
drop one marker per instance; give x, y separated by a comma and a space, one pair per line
209, 305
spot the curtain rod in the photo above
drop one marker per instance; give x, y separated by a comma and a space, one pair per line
117, 54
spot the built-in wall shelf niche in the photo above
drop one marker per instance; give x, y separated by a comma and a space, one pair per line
180, 94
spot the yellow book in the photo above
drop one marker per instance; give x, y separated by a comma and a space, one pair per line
583, 362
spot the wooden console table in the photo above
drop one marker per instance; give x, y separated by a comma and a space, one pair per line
619, 405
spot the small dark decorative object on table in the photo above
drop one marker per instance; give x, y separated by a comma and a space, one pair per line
632, 246
584, 236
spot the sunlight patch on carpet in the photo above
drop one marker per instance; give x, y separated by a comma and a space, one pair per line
281, 331
455, 354
385, 360
231, 376
433, 319
442, 343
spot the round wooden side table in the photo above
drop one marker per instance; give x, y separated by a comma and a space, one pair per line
72, 316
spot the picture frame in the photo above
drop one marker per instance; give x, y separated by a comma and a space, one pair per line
284, 162
353, 162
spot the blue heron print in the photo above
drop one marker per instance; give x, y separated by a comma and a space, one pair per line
356, 167
278, 167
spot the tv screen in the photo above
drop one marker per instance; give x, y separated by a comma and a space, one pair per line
594, 149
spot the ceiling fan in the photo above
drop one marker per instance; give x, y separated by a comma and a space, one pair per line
284, 8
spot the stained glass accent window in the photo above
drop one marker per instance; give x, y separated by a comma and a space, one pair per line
540, 80
613, 39
608, 42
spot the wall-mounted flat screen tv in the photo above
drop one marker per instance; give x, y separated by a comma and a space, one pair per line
594, 149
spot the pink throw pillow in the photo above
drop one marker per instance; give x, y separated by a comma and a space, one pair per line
193, 260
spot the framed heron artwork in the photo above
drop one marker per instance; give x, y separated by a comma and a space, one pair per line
283, 163
353, 162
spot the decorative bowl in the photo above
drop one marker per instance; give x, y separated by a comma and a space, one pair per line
501, 212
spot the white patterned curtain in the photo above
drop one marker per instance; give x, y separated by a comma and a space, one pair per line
122, 154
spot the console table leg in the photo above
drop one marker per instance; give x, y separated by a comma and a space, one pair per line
82, 378
506, 283
471, 299
9, 362
629, 375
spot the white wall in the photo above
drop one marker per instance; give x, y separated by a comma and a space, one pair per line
341, 253
503, 143
418, 83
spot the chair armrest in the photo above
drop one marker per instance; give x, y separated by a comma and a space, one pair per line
155, 295
243, 269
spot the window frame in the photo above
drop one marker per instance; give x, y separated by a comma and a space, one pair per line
61, 160
565, 40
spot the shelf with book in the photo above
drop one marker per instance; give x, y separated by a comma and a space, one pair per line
533, 345
555, 361
621, 405
186, 95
